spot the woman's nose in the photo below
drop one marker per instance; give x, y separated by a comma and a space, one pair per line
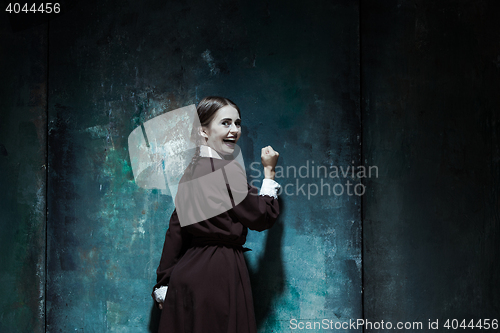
234, 128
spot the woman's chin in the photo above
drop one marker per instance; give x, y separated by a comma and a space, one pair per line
228, 148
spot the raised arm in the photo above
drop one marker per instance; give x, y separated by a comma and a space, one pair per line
259, 211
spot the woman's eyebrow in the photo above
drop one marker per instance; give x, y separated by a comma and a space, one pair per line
224, 119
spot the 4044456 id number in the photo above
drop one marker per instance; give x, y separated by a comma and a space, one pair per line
47, 8
484, 324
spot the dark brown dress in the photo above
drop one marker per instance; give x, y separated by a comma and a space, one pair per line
204, 267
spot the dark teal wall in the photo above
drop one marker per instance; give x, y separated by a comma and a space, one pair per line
431, 77
23, 134
292, 68
415, 94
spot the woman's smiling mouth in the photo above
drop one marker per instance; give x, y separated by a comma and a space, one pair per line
230, 142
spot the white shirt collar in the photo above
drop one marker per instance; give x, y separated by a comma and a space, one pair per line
206, 151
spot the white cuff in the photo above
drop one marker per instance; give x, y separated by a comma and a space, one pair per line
269, 187
160, 294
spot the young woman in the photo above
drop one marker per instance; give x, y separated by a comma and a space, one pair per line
202, 269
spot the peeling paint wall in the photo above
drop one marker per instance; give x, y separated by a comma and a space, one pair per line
115, 65
418, 100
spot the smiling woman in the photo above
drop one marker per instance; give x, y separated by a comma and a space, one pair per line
224, 131
220, 127
203, 284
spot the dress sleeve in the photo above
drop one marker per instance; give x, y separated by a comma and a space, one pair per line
258, 212
177, 241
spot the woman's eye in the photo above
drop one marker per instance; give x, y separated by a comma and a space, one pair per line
225, 123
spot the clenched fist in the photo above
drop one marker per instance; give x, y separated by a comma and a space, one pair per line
269, 158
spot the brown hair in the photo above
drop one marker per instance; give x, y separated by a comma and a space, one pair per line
209, 105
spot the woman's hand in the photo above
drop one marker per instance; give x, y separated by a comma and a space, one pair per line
269, 159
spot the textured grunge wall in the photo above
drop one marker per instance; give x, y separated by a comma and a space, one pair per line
293, 70
23, 137
431, 82
410, 87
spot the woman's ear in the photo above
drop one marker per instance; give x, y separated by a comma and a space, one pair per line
203, 132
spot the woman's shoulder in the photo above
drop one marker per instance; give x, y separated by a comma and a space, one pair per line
206, 165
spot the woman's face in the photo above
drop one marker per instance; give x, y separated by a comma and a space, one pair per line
224, 130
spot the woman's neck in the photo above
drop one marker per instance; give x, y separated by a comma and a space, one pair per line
206, 151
